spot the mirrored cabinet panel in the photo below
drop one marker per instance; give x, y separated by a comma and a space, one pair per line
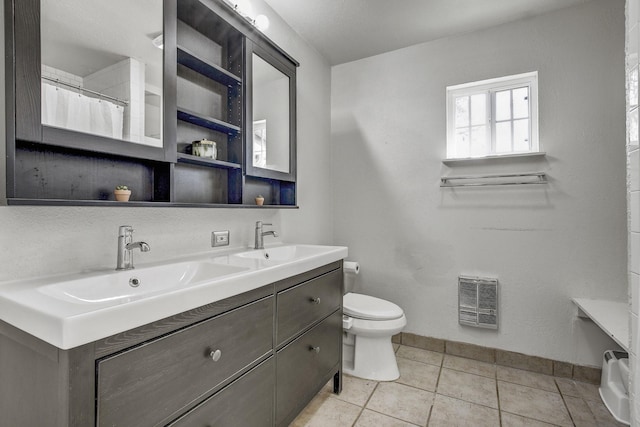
102, 68
184, 102
270, 117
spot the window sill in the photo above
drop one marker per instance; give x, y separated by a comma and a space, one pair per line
505, 157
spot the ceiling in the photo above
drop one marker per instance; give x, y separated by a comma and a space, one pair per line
347, 30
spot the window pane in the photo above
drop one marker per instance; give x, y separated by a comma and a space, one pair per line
479, 141
462, 111
462, 142
503, 137
521, 103
521, 135
479, 109
503, 105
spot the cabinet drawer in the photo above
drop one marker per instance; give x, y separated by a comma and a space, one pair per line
248, 401
302, 366
301, 306
149, 384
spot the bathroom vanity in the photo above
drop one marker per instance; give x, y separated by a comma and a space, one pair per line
255, 358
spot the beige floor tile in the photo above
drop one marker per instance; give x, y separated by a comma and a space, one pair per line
448, 411
533, 403
470, 366
469, 387
420, 355
416, 374
512, 420
327, 411
530, 379
567, 387
403, 402
373, 419
588, 391
602, 415
355, 390
580, 412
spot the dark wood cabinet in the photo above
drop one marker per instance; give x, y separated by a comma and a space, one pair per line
206, 95
150, 384
218, 364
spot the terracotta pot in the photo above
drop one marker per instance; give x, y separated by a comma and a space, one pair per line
122, 195
259, 201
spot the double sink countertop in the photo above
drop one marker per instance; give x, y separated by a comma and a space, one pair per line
75, 309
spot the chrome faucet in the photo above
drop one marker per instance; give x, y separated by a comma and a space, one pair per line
260, 234
126, 247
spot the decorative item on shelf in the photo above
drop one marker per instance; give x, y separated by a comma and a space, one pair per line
122, 193
204, 148
259, 200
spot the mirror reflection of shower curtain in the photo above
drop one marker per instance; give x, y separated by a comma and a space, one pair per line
71, 110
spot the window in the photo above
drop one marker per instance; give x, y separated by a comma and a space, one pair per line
493, 117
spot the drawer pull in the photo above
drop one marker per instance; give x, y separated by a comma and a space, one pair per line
315, 300
215, 355
316, 349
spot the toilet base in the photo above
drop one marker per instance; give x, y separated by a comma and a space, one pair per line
369, 358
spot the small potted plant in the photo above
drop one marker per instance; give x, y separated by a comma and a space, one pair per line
259, 200
122, 193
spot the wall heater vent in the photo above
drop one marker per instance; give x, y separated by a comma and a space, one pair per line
478, 302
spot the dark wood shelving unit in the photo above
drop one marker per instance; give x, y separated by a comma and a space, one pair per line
205, 96
203, 161
214, 72
207, 122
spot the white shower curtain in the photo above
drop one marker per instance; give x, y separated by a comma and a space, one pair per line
70, 110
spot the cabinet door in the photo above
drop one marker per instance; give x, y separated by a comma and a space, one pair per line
303, 305
247, 401
154, 382
302, 366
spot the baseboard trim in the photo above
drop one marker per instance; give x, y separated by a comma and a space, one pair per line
510, 359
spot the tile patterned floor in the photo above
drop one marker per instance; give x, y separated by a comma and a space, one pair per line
436, 389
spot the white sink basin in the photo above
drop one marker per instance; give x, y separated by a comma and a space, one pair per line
72, 310
130, 285
286, 253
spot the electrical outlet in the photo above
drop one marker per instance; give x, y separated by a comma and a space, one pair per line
220, 238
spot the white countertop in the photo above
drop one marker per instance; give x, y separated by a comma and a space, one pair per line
38, 307
611, 316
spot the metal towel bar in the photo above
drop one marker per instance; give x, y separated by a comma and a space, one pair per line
495, 179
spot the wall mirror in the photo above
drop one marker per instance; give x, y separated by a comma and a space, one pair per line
102, 68
271, 145
270, 117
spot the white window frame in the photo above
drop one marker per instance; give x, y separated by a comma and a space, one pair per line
490, 87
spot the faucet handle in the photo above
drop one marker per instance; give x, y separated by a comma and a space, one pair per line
124, 230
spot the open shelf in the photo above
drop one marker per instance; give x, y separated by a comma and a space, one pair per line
212, 71
203, 161
207, 122
610, 316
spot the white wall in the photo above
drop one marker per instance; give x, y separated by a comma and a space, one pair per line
47, 240
545, 244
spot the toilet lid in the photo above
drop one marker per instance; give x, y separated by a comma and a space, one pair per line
369, 308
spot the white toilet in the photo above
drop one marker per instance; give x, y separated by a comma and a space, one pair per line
369, 323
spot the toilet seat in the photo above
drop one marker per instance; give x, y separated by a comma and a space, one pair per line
370, 308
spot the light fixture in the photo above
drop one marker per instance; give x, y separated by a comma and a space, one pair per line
261, 22
158, 42
245, 10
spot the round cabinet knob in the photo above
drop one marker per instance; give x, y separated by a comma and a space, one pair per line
215, 355
316, 349
315, 300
